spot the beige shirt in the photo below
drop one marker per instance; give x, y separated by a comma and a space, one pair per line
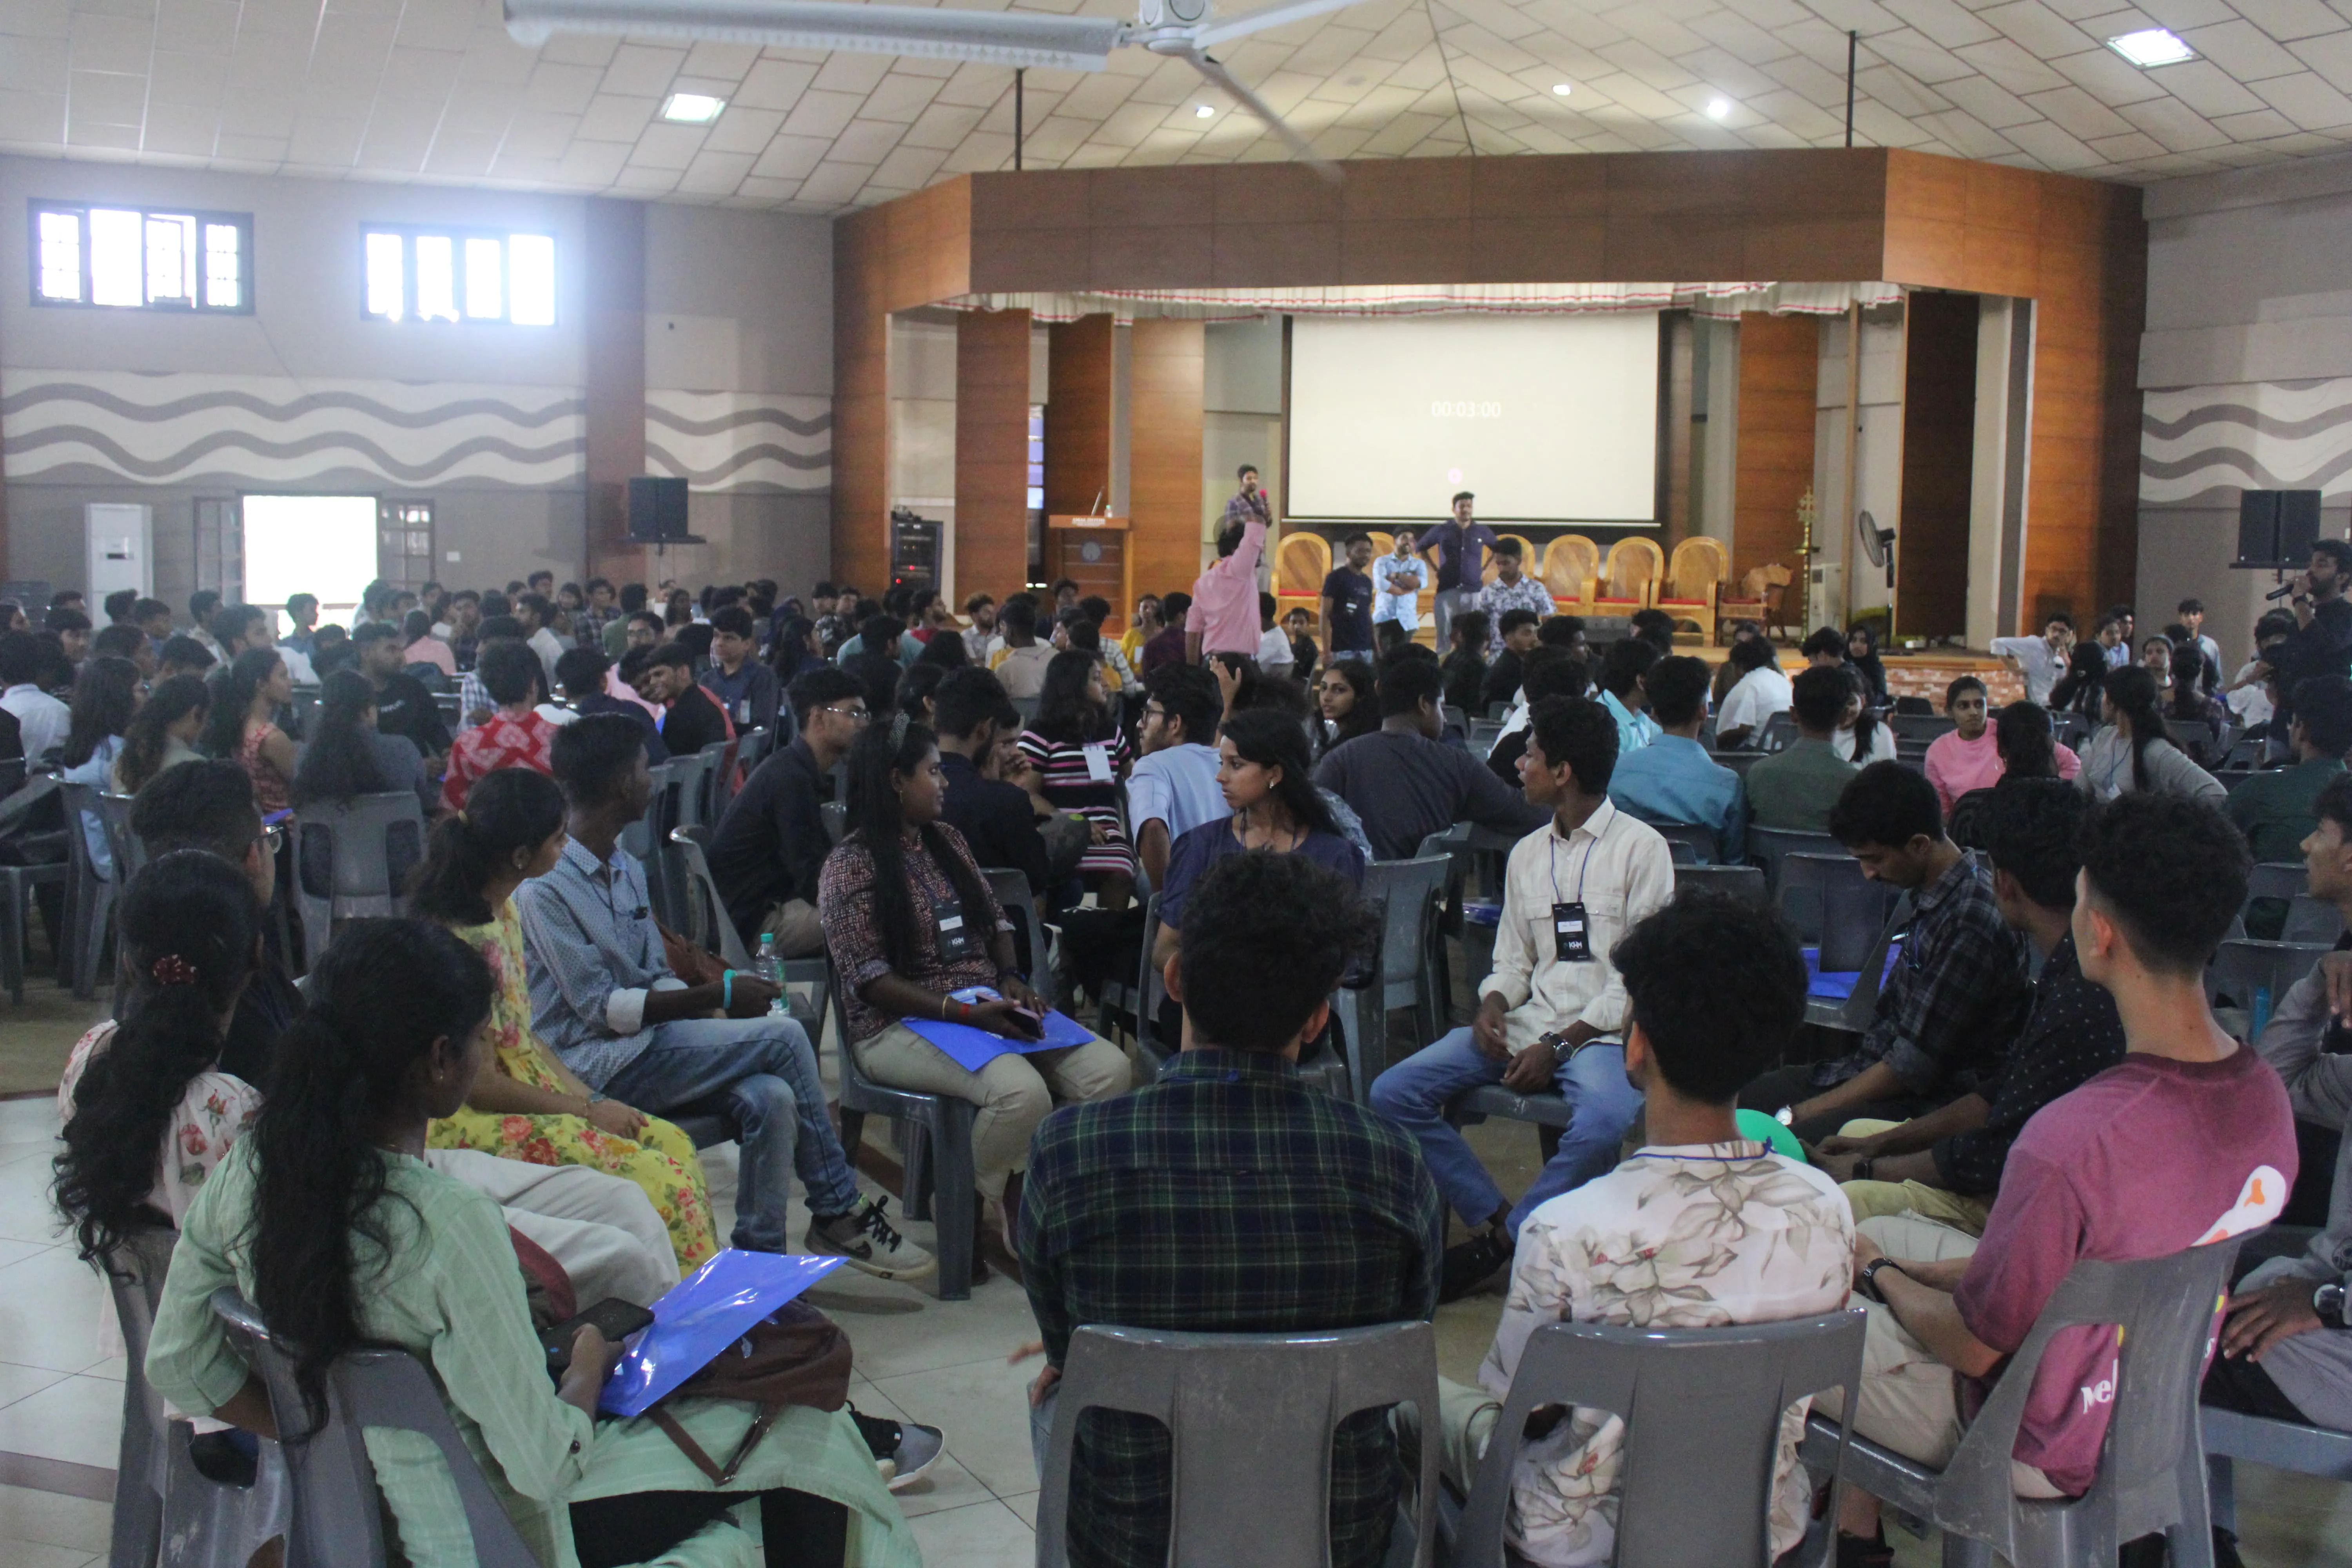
1023, 671
1622, 870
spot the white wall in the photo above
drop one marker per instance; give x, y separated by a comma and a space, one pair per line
1878, 480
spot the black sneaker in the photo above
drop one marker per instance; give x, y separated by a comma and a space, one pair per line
1865, 1551
903, 1451
1472, 1264
869, 1242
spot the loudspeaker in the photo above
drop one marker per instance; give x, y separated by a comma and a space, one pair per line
2276, 528
656, 510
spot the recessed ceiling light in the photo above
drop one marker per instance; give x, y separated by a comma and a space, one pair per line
2152, 46
1719, 108
692, 108
1205, 112
1562, 88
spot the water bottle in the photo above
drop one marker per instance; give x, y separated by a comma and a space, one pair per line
2259, 1013
770, 968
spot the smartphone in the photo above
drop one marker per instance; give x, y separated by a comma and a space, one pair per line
1035, 1020
614, 1319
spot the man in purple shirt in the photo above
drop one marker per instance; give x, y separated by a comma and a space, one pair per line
1460, 549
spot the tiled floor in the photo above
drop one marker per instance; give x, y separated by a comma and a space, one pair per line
917, 1358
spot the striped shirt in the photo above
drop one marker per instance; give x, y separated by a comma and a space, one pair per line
1071, 785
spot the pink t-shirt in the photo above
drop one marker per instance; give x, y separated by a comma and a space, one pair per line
1224, 599
2145, 1159
1956, 766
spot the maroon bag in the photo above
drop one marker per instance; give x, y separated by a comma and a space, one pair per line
797, 1356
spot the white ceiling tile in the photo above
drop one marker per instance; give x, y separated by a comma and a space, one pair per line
2260, 125
911, 166
1915, 54
2079, 113
111, 43
2207, 88
95, 137
561, 89
2183, 15
1965, 134
722, 62
1893, 90
859, 73
103, 97
35, 18
2108, 76
2286, 19
1798, 114
593, 164
645, 180
774, 84
612, 118
264, 150
2240, 48
667, 146
1948, 24
2178, 127
833, 182
2303, 98
715, 174
197, 26
1875, 125
574, 50
535, 135
2009, 64
791, 157
741, 129
35, 65
2330, 55
2051, 147
1801, 76
1988, 101
900, 97
638, 71
866, 141
823, 115
325, 143
2037, 28
461, 157
184, 128
442, 25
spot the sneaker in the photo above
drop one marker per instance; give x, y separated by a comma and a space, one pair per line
1472, 1264
1859, 1551
869, 1242
904, 1451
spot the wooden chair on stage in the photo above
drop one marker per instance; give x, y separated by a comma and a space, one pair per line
1301, 561
1636, 565
1571, 564
1695, 583
1761, 589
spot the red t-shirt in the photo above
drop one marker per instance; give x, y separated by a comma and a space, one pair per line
2148, 1158
503, 743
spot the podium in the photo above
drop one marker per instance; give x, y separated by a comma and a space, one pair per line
1093, 551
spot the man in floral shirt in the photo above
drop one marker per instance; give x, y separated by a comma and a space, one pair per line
1699, 1229
1512, 589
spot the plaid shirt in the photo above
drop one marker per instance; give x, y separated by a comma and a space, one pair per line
1527, 594
1227, 1198
1956, 998
588, 624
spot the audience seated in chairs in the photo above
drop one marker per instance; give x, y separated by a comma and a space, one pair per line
1953, 998
243, 725
107, 695
2188, 1140
2281, 1357
1621, 671
1699, 1229
527, 1105
2133, 754
347, 755
1174, 786
1672, 779
769, 847
514, 736
1548, 670
403, 705
1861, 738
1346, 704
1759, 691
1078, 751
908, 920
689, 719
999, 821
1228, 1197
1550, 1016
1518, 634
603, 996
1795, 789
2276, 810
737, 680
1945, 1165
163, 733
328, 1220
584, 679
1464, 665
1405, 783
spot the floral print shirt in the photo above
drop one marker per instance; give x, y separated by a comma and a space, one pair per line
212, 1115
1687, 1237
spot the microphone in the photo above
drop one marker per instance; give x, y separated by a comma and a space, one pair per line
2281, 591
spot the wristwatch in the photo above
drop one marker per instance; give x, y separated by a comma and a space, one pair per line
1867, 1282
1863, 1167
1785, 1116
2327, 1304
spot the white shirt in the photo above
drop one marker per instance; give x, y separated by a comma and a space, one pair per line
1398, 606
44, 720
1754, 697
298, 665
1622, 870
550, 647
1274, 654
1697, 1236
1176, 786
2040, 664
1881, 744
2250, 703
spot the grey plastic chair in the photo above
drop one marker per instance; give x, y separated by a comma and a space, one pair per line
2241, 969
938, 1181
836, 818
363, 872
335, 1515
1739, 762
1803, 888
17, 884
1767, 846
718, 781
675, 803
90, 898
168, 1513
1778, 734
1013, 891
2151, 1474
1921, 728
1409, 895
752, 749
1250, 1419
1690, 843
2281, 1444
2310, 919
706, 924
1739, 882
2275, 879
1696, 1403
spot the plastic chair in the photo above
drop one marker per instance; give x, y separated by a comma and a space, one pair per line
1778, 734
1408, 894
166, 1511
836, 818
2257, 975
2151, 1474
1690, 843
708, 924
1250, 1419
1696, 1403
1150, 990
938, 1180
90, 898
1801, 890
1920, 728
1739, 762
1739, 882
2281, 1444
752, 749
359, 877
2310, 919
17, 884
335, 1516
1767, 846
675, 803
1013, 891
2275, 879
718, 781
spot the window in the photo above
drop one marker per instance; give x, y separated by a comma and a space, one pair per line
422, 275
129, 258
309, 544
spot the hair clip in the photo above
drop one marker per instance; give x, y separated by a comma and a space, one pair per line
173, 970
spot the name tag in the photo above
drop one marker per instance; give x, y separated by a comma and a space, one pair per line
1572, 933
1098, 763
955, 938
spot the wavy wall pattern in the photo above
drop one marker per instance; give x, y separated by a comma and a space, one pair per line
2202, 445
740, 441
192, 428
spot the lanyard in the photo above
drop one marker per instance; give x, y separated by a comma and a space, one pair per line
1581, 866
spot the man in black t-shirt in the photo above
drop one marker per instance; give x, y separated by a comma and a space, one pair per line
999, 820
771, 843
690, 720
402, 706
1347, 601
2322, 643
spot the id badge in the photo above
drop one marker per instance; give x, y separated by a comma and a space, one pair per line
956, 941
1098, 763
1571, 934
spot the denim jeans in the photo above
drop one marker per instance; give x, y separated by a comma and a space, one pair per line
1602, 1103
766, 1072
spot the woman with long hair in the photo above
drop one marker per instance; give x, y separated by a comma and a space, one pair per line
911, 926
106, 698
525, 1104
342, 760
421, 647
1347, 703
795, 649
163, 733
2191, 700
2080, 689
1861, 739
1148, 623
327, 1218
2133, 752
2025, 746
1077, 753
1862, 657
243, 728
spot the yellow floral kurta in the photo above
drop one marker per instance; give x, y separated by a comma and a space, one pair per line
662, 1162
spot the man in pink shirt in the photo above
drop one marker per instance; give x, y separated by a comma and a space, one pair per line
1224, 598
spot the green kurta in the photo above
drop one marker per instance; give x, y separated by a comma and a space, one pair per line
455, 1301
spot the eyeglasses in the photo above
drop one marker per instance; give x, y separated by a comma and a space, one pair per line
854, 715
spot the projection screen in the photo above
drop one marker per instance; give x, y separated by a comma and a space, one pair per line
1547, 418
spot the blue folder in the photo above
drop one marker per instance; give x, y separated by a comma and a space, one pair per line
972, 1048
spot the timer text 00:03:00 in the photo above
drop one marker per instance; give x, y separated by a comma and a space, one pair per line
1442, 410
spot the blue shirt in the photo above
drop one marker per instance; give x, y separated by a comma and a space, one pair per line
1177, 787
1673, 779
1635, 729
593, 953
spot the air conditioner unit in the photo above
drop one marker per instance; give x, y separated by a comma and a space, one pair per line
1825, 595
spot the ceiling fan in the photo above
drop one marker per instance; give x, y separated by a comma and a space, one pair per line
1181, 30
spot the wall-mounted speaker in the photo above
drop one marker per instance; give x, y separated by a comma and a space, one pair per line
658, 511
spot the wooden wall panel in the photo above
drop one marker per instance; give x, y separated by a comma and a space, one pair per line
1939, 384
615, 334
991, 451
1778, 368
1167, 382
1078, 413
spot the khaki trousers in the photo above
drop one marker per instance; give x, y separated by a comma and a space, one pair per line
1013, 1091
796, 929
1870, 1200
